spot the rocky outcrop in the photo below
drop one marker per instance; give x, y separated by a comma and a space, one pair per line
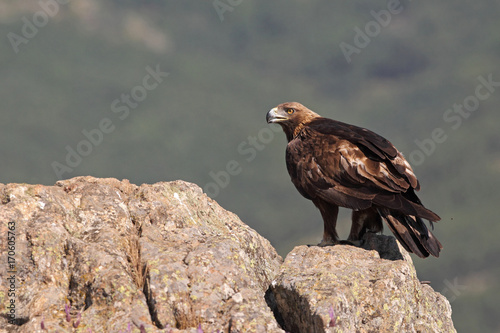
102, 255
350, 289
115, 256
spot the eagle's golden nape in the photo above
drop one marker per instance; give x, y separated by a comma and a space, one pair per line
336, 164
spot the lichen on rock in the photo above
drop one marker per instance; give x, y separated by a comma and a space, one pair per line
161, 256
349, 289
103, 255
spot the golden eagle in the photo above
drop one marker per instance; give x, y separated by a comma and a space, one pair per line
336, 164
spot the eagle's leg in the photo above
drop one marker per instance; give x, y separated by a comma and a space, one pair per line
362, 221
329, 213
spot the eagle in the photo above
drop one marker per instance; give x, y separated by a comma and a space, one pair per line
335, 164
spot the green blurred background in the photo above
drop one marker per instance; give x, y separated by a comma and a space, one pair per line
67, 66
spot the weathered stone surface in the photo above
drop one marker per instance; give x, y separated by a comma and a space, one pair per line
102, 255
348, 289
161, 256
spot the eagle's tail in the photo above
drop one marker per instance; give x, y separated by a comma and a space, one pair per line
412, 233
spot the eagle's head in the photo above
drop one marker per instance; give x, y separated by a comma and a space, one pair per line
292, 117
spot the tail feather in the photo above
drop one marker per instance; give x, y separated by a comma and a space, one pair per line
407, 203
412, 233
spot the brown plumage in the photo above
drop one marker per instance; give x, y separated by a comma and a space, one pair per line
336, 164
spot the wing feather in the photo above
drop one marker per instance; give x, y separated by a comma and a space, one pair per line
352, 167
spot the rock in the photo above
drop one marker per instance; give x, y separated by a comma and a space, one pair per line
348, 289
103, 255
106, 255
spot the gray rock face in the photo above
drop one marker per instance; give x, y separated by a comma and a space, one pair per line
102, 255
349, 289
161, 256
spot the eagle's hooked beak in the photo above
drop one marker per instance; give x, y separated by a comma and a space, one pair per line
274, 117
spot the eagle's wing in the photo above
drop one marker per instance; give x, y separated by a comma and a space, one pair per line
352, 167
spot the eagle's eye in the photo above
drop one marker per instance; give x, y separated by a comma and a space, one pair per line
290, 110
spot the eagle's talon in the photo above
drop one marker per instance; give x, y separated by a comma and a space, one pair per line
328, 242
351, 242
331, 242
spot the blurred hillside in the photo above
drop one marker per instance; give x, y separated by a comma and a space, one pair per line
85, 91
